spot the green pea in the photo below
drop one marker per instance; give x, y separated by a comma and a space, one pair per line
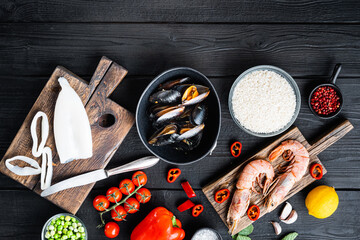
47, 235
73, 219
67, 218
51, 227
62, 217
56, 236
81, 229
58, 222
52, 233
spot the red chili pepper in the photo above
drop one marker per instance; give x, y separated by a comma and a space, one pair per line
253, 212
173, 174
235, 149
186, 205
316, 171
222, 195
188, 189
197, 210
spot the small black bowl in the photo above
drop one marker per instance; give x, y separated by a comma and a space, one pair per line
212, 123
333, 78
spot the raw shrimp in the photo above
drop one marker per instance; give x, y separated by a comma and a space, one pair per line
252, 172
296, 153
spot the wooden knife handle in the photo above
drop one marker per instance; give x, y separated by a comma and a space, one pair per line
331, 137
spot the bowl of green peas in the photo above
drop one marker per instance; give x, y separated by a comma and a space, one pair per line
64, 226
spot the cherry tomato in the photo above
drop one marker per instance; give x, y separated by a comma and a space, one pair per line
111, 230
138, 178
143, 195
131, 205
100, 203
126, 186
118, 214
114, 195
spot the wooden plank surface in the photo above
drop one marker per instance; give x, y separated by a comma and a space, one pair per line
31, 219
31, 49
219, 38
26, 90
189, 11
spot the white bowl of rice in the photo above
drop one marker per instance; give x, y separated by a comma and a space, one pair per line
264, 101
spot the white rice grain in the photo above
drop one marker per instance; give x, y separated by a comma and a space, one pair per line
263, 101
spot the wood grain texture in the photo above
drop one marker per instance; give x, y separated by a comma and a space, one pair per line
229, 179
31, 219
340, 158
105, 140
180, 11
22, 143
32, 49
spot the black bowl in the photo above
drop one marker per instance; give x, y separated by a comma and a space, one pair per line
212, 123
333, 78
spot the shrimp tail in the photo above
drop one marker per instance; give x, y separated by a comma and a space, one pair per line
233, 227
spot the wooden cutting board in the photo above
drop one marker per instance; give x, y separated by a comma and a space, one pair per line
109, 122
229, 179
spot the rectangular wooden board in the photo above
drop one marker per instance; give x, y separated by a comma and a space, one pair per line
106, 140
229, 179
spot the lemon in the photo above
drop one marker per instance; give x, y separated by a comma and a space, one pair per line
322, 201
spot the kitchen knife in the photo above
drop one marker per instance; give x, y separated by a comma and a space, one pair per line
97, 175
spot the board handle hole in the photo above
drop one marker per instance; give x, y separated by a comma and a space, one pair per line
106, 120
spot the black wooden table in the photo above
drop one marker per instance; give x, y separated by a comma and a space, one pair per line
219, 38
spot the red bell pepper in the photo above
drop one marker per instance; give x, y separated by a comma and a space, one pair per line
253, 212
188, 189
222, 195
159, 224
316, 171
197, 210
173, 174
186, 205
235, 149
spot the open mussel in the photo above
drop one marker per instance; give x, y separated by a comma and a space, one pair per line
192, 94
166, 97
164, 136
170, 84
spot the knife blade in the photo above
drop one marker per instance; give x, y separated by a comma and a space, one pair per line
100, 174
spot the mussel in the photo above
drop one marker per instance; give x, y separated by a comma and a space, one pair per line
170, 84
164, 114
178, 112
189, 144
193, 96
187, 133
164, 136
198, 114
166, 97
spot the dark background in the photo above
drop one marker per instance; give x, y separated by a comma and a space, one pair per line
220, 39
